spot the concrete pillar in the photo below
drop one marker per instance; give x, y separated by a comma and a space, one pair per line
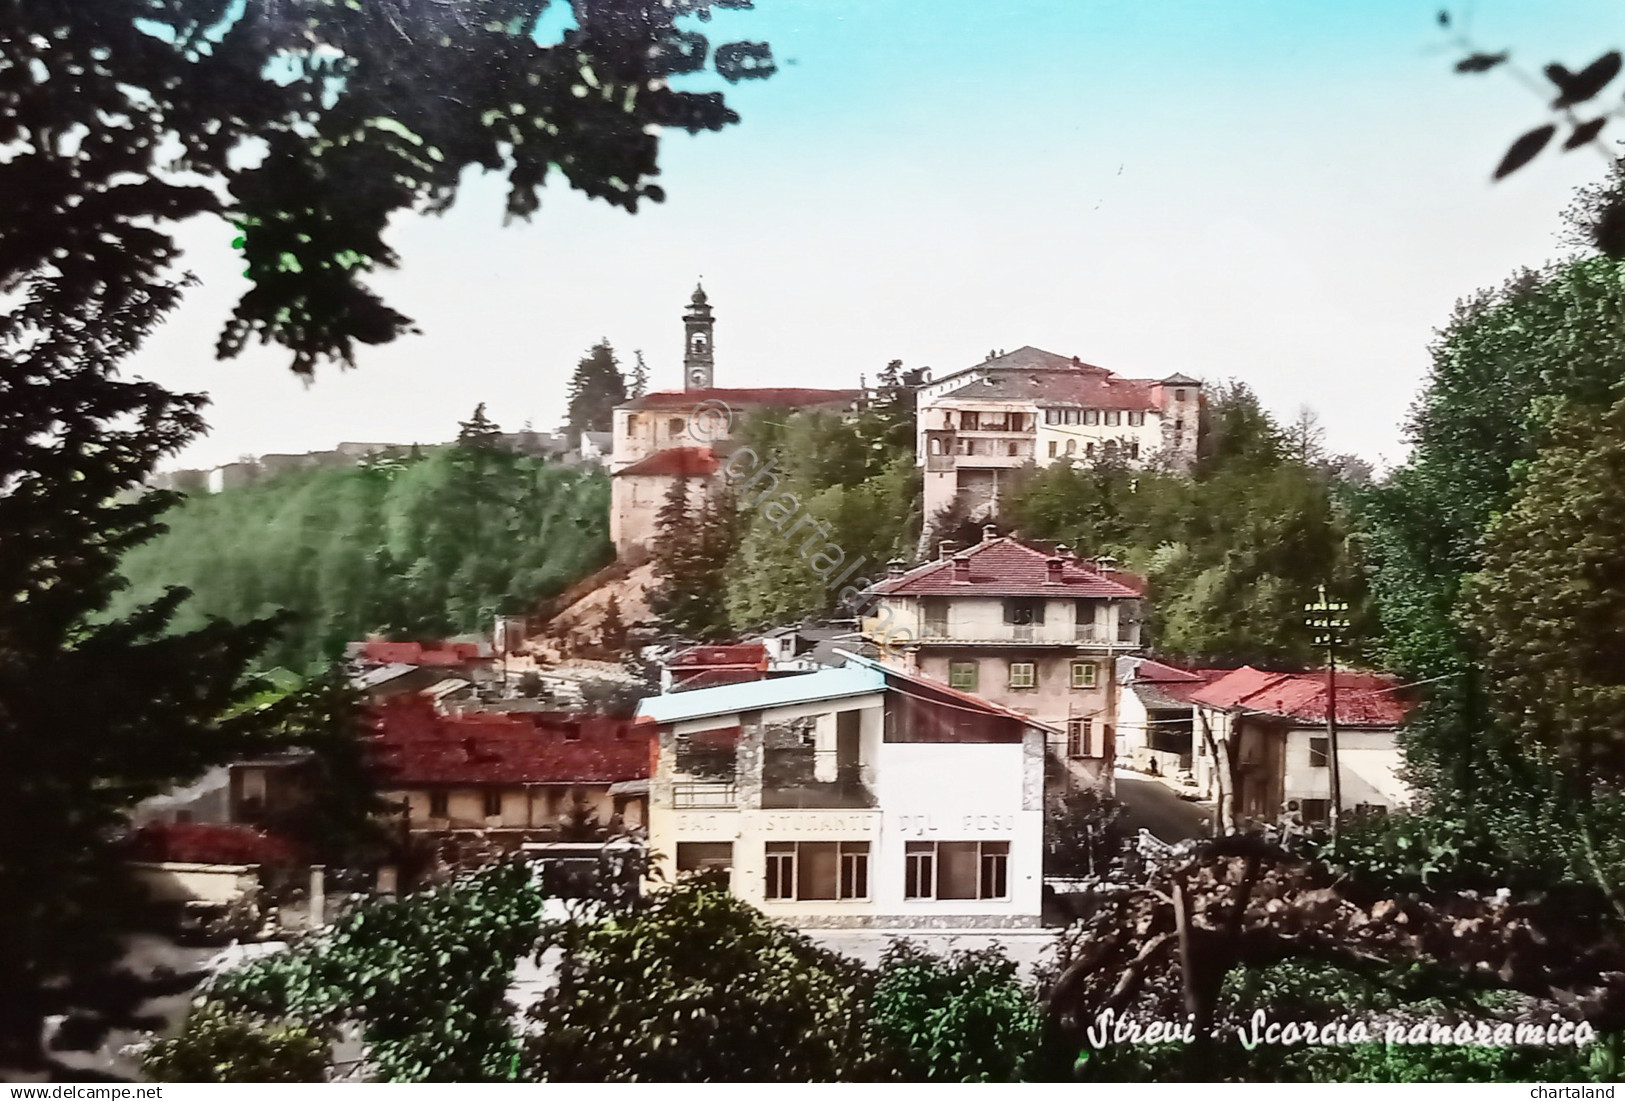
389, 879
318, 895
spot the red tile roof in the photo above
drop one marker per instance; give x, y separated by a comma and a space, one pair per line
1363, 699
1004, 567
745, 398
752, 654
208, 843
1176, 684
414, 744
417, 653
1060, 388
689, 462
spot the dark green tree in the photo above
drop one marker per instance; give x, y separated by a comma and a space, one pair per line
219, 1046
694, 543
722, 994
596, 388
638, 384
95, 713
425, 977
966, 1017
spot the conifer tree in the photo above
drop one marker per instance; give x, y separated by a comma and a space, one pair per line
640, 376
596, 388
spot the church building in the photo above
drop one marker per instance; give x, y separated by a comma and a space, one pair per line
689, 433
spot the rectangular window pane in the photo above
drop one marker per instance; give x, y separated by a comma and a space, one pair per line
1083, 674
919, 869
962, 675
854, 869
1319, 753
1022, 674
817, 870
694, 856
995, 869
957, 869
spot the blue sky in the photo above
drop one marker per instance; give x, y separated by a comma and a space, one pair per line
1291, 193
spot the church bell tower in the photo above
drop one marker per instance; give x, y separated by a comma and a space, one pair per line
698, 364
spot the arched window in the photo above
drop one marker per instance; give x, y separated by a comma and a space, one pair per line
936, 446
1014, 449
1072, 447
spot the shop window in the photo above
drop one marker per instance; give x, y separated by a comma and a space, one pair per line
702, 856
817, 870
957, 870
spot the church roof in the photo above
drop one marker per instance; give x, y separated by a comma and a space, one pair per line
778, 397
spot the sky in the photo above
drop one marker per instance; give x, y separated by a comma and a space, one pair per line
1288, 193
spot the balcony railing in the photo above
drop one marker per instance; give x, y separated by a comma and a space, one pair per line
704, 794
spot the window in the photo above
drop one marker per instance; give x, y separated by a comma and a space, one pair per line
934, 616
1083, 674
701, 856
1089, 449
1072, 416
1013, 448
1023, 611
1179, 395
437, 805
1179, 424
1314, 810
781, 870
1319, 753
956, 869
1113, 416
817, 870
675, 426
1136, 418
1134, 449
493, 804
1052, 449
1052, 416
969, 421
1023, 674
1071, 447
962, 675
1078, 733
936, 446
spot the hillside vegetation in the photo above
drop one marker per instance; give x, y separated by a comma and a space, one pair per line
429, 545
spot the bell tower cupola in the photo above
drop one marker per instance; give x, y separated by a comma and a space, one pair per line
698, 361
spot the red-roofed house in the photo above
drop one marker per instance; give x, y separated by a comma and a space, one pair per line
1154, 716
514, 776
1032, 630
1271, 727
698, 421
978, 425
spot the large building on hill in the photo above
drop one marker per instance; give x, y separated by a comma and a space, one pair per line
979, 425
688, 433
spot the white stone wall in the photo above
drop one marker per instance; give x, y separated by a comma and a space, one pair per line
1370, 763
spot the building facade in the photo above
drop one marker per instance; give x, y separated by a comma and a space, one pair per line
853, 797
979, 425
1261, 740
1029, 630
688, 433
1154, 716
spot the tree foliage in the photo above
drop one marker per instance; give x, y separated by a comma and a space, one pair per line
966, 1017
120, 114
696, 535
216, 1045
698, 987
425, 977
406, 548
1232, 552
596, 388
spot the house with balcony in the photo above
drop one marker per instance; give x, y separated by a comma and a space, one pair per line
853, 797
1261, 741
1035, 631
977, 426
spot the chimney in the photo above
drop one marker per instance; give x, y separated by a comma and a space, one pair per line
962, 569
945, 550
1105, 563
1063, 550
894, 568
989, 533
1053, 568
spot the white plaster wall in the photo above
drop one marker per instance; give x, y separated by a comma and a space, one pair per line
1370, 763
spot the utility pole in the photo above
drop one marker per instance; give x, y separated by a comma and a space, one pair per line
1331, 620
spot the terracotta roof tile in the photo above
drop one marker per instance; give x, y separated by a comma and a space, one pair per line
1004, 567
744, 398
210, 843
689, 462
417, 653
1363, 699
414, 744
